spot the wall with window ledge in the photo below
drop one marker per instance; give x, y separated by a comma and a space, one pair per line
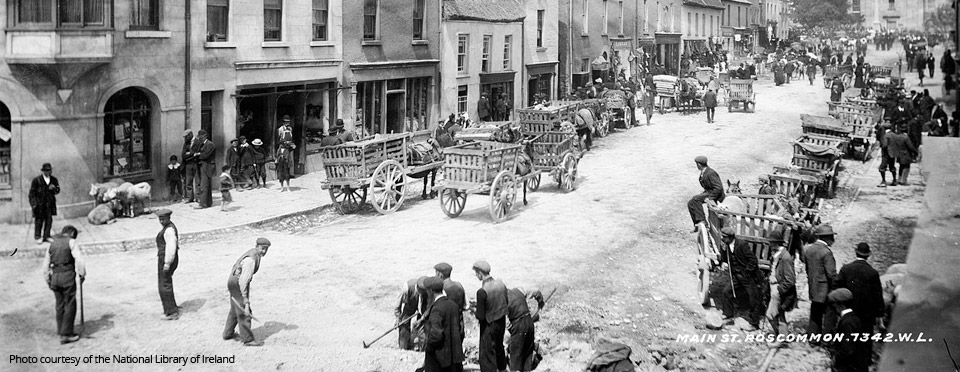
551, 39
591, 41
471, 77
70, 134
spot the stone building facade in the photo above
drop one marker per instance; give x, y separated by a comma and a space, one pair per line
597, 39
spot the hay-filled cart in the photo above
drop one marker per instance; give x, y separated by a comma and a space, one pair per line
481, 167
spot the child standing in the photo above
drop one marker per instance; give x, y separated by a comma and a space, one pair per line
226, 183
173, 179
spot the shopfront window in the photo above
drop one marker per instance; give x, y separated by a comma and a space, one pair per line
6, 136
393, 106
126, 133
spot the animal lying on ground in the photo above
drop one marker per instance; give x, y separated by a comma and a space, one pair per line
101, 214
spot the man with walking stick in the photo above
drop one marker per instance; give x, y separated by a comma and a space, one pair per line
64, 261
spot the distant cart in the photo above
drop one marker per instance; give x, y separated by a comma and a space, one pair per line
741, 95
556, 154
863, 125
481, 167
844, 72
667, 90
380, 165
819, 157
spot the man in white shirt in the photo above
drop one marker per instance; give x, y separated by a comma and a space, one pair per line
239, 286
168, 245
63, 262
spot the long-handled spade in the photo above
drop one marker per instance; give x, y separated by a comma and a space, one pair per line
367, 345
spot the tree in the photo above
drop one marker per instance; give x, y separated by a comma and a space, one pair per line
822, 13
940, 21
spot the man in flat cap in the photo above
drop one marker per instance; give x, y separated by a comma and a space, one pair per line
491, 314
783, 282
410, 307
453, 290
821, 275
443, 349
168, 257
864, 282
712, 189
43, 202
520, 345
191, 146
64, 262
743, 292
239, 286
849, 353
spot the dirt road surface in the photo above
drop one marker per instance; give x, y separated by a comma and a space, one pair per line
618, 249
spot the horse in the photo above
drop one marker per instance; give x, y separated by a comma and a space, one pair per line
425, 153
687, 93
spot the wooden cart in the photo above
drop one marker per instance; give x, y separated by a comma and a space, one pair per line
845, 72
880, 71
750, 226
481, 167
601, 121
553, 153
741, 93
835, 108
667, 87
824, 166
378, 164
548, 118
863, 124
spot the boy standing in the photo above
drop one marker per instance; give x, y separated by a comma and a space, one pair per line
226, 183
173, 179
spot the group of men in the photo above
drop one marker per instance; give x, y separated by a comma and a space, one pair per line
495, 109
199, 164
430, 313
854, 295
900, 135
64, 263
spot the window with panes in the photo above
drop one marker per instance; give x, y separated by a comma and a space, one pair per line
321, 17
621, 18
218, 18
272, 20
370, 10
66, 13
507, 52
126, 133
418, 22
463, 47
603, 19
540, 15
462, 98
145, 14
485, 53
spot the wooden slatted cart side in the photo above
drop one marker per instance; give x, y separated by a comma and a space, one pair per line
547, 118
473, 165
863, 123
760, 205
881, 71
753, 229
840, 144
826, 132
549, 149
796, 186
350, 163
741, 92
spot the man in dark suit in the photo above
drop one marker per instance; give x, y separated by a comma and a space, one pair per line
484, 108
522, 341
206, 159
443, 351
849, 353
783, 282
190, 144
901, 148
453, 290
821, 275
43, 201
743, 292
864, 282
712, 189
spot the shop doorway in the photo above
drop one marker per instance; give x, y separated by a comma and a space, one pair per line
6, 138
395, 112
495, 91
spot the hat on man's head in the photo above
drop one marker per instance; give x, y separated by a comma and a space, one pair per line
257, 142
201, 132
286, 118
444, 268
164, 213
840, 296
46, 167
863, 250
187, 133
482, 266
775, 236
263, 241
243, 138
599, 81
728, 231
234, 140
824, 230
433, 283
421, 281
700, 160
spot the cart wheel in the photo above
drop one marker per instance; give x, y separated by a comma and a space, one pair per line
388, 184
348, 200
503, 193
533, 183
452, 202
569, 175
703, 267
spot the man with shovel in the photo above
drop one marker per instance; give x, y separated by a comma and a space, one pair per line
64, 261
239, 286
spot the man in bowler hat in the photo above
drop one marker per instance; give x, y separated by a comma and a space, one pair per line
43, 201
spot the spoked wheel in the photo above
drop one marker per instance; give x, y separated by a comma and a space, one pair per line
388, 185
503, 193
533, 183
703, 267
348, 200
452, 202
569, 176
603, 127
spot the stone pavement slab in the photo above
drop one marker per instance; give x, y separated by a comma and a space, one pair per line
248, 208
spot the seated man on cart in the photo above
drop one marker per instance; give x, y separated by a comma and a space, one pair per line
712, 189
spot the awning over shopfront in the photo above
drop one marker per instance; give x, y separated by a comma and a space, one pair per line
497, 77
394, 69
535, 69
